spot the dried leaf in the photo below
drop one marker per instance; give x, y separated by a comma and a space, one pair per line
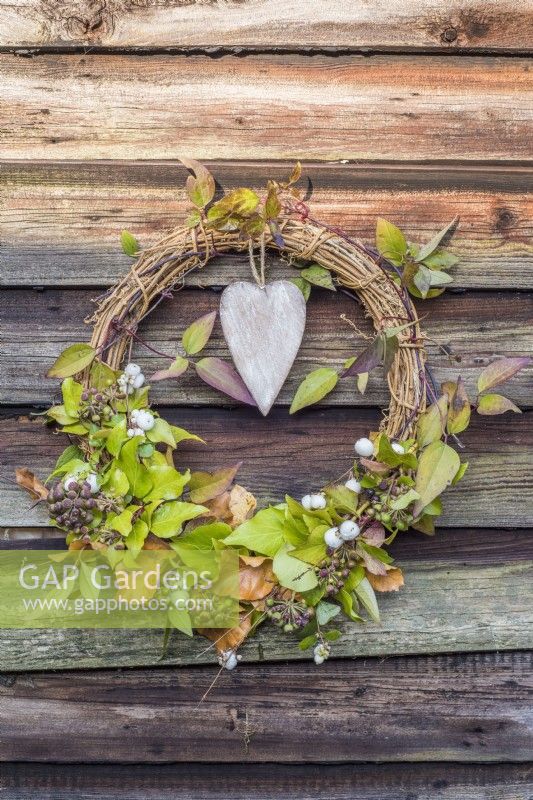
500, 371
362, 382
390, 582
241, 505
256, 578
205, 486
28, 481
375, 466
153, 542
230, 638
491, 404
221, 375
374, 534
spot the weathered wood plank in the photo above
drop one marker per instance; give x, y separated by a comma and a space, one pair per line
265, 107
497, 490
472, 708
61, 221
301, 782
413, 24
491, 324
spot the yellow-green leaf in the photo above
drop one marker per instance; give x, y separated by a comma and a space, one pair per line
500, 371
314, 387
129, 243
432, 422
390, 241
491, 404
200, 186
72, 360
437, 466
459, 409
197, 334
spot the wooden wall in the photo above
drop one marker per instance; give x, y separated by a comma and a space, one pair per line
416, 110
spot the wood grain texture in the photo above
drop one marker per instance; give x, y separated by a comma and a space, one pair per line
497, 490
61, 221
413, 24
472, 708
265, 107
299, 782
492, 324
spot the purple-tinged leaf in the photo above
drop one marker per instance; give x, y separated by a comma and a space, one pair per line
366, 361
500, 371
201, 187
427, 249
197, 334
222, 376
177, 368
491, 404
205, 486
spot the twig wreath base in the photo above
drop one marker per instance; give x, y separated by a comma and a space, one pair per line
302, 562
162, 268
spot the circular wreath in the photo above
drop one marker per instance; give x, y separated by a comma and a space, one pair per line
301, 563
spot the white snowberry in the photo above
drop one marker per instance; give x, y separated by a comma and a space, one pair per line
132, 369
353, 485
364, 447
321, 652
138, 381
135, 432
398, 448
229, 659
318, 501
332, 538
307, 502
142, 419
124, 382
92, 480
349, 530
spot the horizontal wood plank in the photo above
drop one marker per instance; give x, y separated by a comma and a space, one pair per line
265, 107
472, 708
491, 325
412, 24
497, 490
61, 221
429, 781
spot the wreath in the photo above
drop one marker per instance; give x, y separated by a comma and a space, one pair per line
301, 562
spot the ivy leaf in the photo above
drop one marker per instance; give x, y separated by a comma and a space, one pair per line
492, 404
500, 371
181, 435
390, 242
135, 539
72, 360
200, 187
303, 285
459, 409
432, 245
437, 466
116, 438
168, 483
101, 375
136, 473
59, 415
122, 522
432, 422
263, 533
168, 519
205, 486
365, 594
221, 375
326, 612
161, 432
129, 243
314, 387
293, 573
197, 334
318, 276
69, 454
72, 392
177, 368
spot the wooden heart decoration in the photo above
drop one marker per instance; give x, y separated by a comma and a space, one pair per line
263, 327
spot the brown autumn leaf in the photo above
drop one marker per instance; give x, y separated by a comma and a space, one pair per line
390, 582
78, 544
373, 565
375, 466
256, 578
153, 542
374, 534
232, 507
28, 481
230, 638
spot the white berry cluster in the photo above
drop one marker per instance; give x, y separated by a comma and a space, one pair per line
313, 502
131, 379
321, 652
141, 421
228, 659
365, 448
347, 531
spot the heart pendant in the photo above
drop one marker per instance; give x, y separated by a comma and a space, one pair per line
263, 328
